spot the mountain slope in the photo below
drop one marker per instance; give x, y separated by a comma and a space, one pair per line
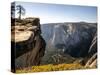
72, 39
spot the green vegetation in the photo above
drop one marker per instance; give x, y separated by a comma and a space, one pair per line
21, 11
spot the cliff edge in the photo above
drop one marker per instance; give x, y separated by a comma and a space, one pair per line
27, 42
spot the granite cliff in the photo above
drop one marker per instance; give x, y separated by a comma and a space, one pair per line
27, 42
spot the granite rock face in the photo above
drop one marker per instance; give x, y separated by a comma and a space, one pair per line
72, 41
92, 54
71, 38
27, 42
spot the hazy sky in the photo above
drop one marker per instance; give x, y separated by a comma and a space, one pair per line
52, 13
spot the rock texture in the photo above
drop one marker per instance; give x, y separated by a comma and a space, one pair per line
27, 42
78, 40
91, 59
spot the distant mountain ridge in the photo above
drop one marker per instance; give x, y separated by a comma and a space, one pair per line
71, 38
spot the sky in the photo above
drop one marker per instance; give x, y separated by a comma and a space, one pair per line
53, 13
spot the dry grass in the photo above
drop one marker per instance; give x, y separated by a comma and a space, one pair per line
50, 67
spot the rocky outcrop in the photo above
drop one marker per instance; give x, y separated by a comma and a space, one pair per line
93, 46
27, 42
91, 59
